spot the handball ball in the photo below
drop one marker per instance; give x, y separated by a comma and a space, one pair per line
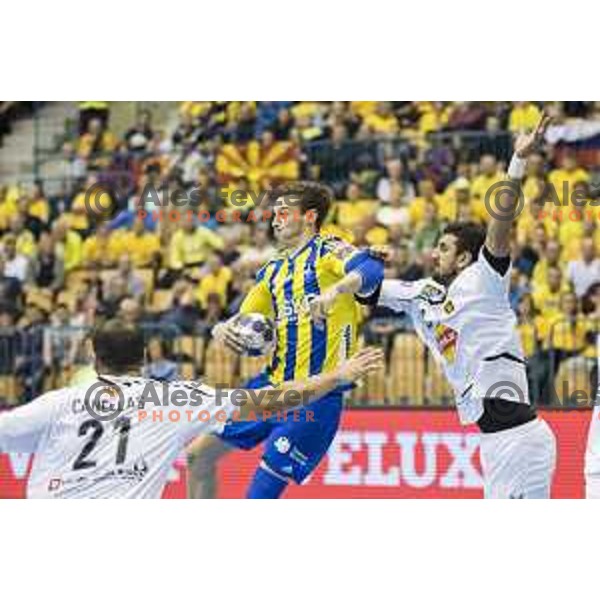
256, 332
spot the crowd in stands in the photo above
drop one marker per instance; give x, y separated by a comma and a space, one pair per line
400, 171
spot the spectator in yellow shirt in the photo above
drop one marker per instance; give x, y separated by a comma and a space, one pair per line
25, 240
305, 109
89, 203
458, 193
8, 207
523, 117
67, 245
363, 108
533, 216
143, 246
535, 178
547, 298
377, 236
99, 249
571, 226
427, 194
568, 330
191, 245
195, 109
354, 209
465, 211
434, 116
528, 326
383, 121
550, 258
214, 279
563, 180
572, 249
489, 175
572, 218
591, 307
78, 216
95, 140
39, 206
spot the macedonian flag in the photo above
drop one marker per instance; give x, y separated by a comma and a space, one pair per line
257, 165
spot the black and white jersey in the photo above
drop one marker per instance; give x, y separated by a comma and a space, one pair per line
114, 438
470, 328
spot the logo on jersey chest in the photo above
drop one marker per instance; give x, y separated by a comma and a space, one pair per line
291, 309
293, 301
446, 339
432, 294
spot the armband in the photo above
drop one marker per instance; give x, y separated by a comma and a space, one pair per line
516, 169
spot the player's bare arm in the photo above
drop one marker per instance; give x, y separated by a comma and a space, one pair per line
367, 273
321, 306
498, 233
362, 363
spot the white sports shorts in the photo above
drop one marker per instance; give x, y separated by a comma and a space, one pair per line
592, 486
519, 462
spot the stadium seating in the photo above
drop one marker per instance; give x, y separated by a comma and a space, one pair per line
399, 170
407, 374
220, 365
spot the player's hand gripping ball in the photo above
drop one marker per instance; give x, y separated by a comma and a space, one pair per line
256, 333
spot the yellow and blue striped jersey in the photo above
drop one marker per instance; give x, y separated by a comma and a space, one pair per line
285, 286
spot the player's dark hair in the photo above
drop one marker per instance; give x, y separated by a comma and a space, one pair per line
470, 237
309, 195
118, 347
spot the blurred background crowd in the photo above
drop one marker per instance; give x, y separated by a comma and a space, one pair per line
400, 171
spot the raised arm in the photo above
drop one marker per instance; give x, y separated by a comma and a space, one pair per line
498, 232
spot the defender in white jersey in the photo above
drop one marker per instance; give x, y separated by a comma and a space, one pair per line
592, 453
95, 441
464, 317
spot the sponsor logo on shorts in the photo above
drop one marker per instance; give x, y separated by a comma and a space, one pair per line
282, 445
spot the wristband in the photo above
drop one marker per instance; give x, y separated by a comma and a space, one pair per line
516, 169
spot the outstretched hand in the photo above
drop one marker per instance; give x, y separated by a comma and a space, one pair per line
526, 143
226, 333
365, 361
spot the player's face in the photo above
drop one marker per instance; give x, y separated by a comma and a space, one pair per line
446, 261
288, 223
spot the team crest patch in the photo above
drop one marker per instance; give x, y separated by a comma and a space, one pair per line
449, 307
432, 294
282, 445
